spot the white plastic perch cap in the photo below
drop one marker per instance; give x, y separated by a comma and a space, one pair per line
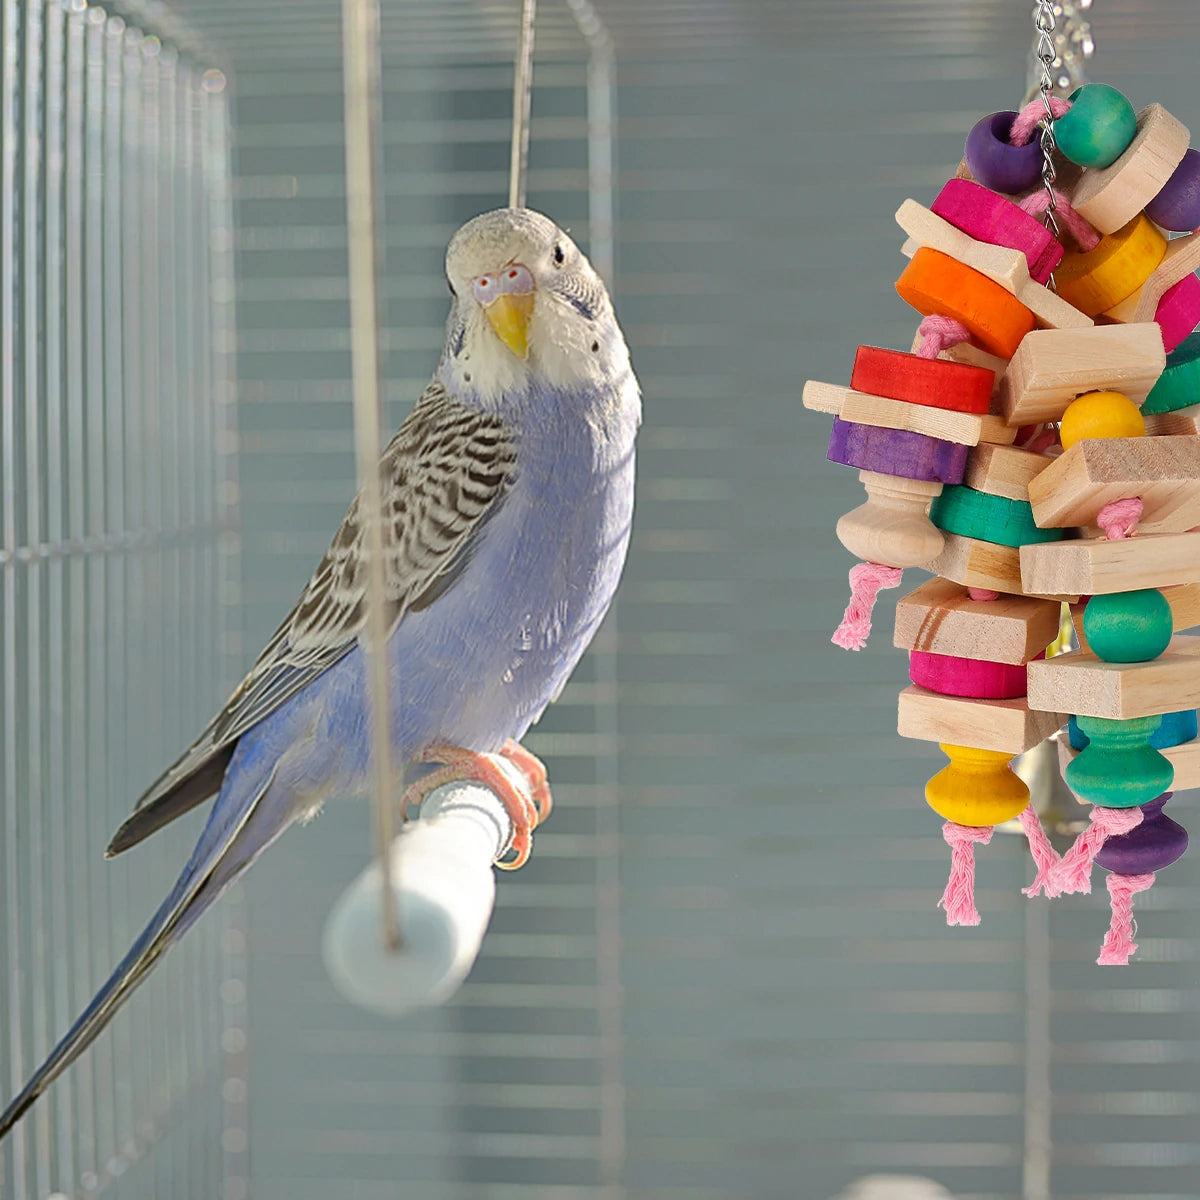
445, 889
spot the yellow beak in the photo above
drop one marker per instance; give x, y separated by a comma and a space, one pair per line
509, 316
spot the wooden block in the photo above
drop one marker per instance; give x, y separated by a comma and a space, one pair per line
1002, 265
972, 356
987, 517
1178, 312
1007, 725
1082, 684
1163, 471
979, 564
1003, 470
896, 452
1183, 421
1184, 758
1181, 260
967, 429
1109, 197
1184, 600
1053, 366
940, 618
1179, 384
934, 382
1094, 566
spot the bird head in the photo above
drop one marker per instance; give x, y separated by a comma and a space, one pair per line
526, 300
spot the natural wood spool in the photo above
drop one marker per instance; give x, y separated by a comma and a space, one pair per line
893, 527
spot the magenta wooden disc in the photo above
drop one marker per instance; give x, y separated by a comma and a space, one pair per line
991, 218
1178, 311
974, 677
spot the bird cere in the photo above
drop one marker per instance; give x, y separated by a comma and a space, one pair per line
507, 505
1038, 445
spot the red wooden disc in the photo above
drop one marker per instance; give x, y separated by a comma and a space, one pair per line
974, 677
934, 382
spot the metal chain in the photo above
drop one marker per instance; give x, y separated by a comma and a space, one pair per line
1044, 23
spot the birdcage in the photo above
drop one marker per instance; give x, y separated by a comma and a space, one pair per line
720, 975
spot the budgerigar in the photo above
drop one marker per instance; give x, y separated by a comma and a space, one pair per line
507, 504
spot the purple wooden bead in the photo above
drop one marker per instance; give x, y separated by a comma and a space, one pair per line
998, 164
1177, 206
896, 452
1156, 843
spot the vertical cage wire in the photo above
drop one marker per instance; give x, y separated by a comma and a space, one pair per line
118, 571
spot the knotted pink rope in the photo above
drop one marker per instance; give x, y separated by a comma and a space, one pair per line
940, 333
1032, 115
1120, 518
982, 594
1037, 202
866, 581
959, 897
1041, 440
1074, 871
1045, 857
1118, 942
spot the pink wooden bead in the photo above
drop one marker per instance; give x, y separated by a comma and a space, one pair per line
974, 677
1178, 311
992, 218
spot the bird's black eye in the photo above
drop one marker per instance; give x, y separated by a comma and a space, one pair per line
559, 256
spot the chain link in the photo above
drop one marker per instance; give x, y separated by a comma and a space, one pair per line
1044, 23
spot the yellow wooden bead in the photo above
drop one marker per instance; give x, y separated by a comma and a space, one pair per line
977, 788
1101, 415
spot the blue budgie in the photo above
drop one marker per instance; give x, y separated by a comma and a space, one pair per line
507, 503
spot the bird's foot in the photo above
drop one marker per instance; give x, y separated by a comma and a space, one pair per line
460, 765
534, 770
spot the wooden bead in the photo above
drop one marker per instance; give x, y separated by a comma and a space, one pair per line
934, 283
1119, 768
929, 381
1177, 206
1127, 627
973, 514
1176, 729
995, 161
896, 452
1100, 415
949, 675
1109, 197
1151, 846
892, 528
1097, 279
978, 787
988, 217
1179, 384
1098, 128
1178, 312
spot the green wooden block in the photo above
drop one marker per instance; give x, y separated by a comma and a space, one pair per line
1118, 768
997, 519
1179, 385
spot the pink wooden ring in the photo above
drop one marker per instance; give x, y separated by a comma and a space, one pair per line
992, 218
974, 677
1178, 312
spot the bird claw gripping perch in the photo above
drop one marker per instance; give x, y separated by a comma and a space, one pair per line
526, 807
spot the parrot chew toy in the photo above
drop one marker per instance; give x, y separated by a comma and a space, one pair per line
1038, 445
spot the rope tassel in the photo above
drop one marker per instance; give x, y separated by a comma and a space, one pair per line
1074, 871
959, 897
1118, 943
866, 582
1045, 857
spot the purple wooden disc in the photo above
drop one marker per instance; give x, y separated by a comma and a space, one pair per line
1156, 843
896, 452
1177, 206
998, 164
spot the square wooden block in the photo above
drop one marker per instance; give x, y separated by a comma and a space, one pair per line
1004, 470
1010, 726
1095, 566
974, 563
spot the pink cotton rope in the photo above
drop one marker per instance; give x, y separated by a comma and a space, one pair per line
1074, 871
940, 333
1037, 202
1032, 115
1045, 857
866, 581
982, 594
959, 897
1118, 942
1120, 518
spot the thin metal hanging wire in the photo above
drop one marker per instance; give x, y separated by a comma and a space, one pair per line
1044, 23
363, 70
522, 93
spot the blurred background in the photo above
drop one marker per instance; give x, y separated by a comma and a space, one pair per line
723, 973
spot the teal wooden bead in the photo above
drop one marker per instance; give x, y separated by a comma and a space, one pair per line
1119, 768
1098, 128
1179, 385
1176, 729
1128, 627
963, 510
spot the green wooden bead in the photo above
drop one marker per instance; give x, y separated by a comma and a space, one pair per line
1128, 627
1119, 768
1179, 385
1099, 127
963, 510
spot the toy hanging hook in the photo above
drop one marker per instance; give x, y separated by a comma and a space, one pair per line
518, 165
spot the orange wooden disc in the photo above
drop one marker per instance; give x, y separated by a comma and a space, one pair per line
936, 284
